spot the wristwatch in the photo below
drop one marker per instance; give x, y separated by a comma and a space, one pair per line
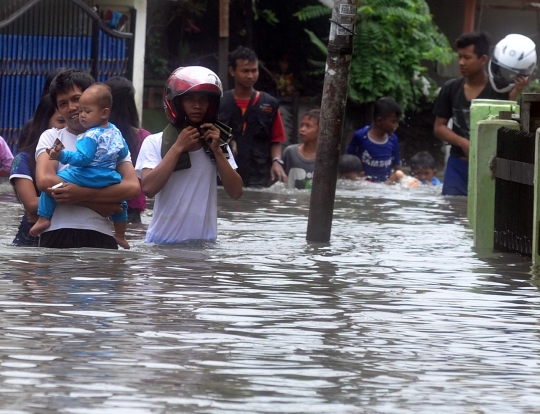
278, 160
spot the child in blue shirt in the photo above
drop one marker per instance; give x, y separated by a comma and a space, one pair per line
377, 146
94, 162
423, 168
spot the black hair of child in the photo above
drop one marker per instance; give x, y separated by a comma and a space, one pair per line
349, 163
385, 108
480, 40
313, 113
242, 53
423, 159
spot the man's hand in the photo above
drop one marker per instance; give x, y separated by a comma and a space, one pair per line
520, 83
68, 194
465, 145
211, 136
277, 173
188, 139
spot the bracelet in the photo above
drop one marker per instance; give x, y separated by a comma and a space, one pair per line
279, 160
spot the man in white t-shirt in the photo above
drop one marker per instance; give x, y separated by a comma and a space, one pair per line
81, 216
179, 166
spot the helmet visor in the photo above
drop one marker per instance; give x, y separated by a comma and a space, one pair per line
502, 77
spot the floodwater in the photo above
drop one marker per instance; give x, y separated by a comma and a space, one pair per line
397, 314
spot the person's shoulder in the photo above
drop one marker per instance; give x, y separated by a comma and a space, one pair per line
290, 149
453, 85
20, 158
228, 96
143, 133
362, 132
269, 97
154, 138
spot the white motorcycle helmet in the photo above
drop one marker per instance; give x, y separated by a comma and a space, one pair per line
513, 56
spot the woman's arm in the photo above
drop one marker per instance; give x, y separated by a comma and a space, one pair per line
26, 193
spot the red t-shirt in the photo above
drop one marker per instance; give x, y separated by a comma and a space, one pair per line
278, 132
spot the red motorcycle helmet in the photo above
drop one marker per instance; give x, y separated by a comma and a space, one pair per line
191, 79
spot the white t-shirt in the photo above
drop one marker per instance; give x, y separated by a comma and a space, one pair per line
186, 207
70, 216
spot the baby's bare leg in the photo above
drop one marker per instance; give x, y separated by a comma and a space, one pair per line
41, 225
120, 234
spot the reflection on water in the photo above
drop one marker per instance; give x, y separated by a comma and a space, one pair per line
396, 314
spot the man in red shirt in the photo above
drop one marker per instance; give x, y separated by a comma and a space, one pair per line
256, 123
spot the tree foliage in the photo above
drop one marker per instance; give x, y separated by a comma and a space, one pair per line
394, 40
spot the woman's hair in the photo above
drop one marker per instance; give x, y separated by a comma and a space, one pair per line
124, 111
40, 123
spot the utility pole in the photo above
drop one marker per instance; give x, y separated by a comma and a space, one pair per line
334, 99
223, 71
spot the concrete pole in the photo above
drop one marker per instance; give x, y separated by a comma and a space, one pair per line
223, 71
334, 98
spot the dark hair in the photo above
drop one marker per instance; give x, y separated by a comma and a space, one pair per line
313, 113
480, 40
40, 123
49, 78
67, 80
124, 112
386, 107
423, 160
349, 163
242, 53
103, 92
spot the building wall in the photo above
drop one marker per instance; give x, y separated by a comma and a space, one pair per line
140, 41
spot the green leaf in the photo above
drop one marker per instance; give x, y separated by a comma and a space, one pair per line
317, 42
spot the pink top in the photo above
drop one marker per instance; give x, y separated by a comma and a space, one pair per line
139, 203
6, 157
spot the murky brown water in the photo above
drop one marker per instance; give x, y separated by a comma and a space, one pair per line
396, 315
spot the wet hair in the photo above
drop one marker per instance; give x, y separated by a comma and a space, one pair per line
103, 94
40, 123
423, 159
386, 107
67, 80
480, 40
242, 53
124, 111
313, 113
349, 163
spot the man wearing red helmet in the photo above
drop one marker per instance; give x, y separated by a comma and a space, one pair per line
179, 166
255, 121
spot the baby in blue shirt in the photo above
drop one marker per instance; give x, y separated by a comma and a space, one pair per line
423, 168
93, 165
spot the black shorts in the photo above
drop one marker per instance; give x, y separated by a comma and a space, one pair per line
75, 238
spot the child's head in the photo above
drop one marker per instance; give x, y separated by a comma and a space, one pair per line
192, 95
309, 127
386, 114
423, 166
95, 105
349, 167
